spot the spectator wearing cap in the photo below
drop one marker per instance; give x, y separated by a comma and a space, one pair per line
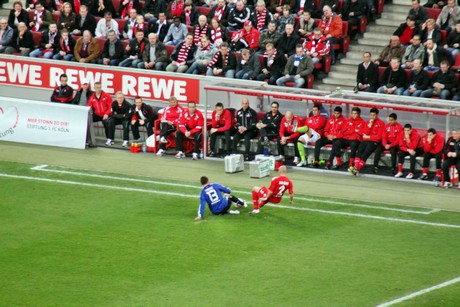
83, 94
246, 38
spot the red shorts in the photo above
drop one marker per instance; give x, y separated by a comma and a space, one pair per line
263, 193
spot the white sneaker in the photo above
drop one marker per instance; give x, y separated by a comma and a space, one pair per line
179, 155
109, 142
280, 158
163, 140
160, 152
296, 160
243, 205
125, 144
194, 156
447, 185
398, 174
254, 211
157, 138
302, 163
137, 140
236, 212
410, 176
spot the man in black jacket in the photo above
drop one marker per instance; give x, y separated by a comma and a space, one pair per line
452, 154
142, 115
120, 115
393, 79
113, 51
269, 126
246, 120
288, 41
273, 65
368, 74
442, 82
418, 80
84, 21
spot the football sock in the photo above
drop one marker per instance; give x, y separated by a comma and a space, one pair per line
352, 162
400, 167
302, 129
338, 160
255, 200
438, 172
425, 170
235, 200
301, 151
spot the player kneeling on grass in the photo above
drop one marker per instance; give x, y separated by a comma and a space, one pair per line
218, 199
273, 194
309, 136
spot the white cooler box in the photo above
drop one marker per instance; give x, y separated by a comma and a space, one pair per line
259, 169
234, 163
272, 160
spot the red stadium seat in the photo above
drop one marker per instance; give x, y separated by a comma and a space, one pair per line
203, 10
170, 49
457, 62
37, 37
433, 13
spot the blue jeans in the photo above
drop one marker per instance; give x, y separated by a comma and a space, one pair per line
417, 93
67, 57
298, 83
245, 74
399, 91
429, 92
38, 52
196, 68
228, 74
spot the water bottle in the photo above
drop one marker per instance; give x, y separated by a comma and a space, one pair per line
201, 154
144, 147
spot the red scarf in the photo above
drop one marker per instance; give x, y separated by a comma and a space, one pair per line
126, 9
272, 58
77, 4
216, 58
216, 36
261, 19
187, 17
38, 16
326, 23
137, 27
58, 4
199, 32
183, 53
207, 48
219, 13
64, 45
140, 47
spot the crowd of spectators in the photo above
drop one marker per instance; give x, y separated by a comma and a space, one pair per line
418, 60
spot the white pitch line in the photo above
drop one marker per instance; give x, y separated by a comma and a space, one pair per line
418, 293
43, 168
376, 217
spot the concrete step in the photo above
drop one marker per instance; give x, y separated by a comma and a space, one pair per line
380, 29
341, 75
354, 55
353, 62
394, 23
344, 68
373, 42
382, 36
363, 48
398, 18
343, 83
400, 9
400, 2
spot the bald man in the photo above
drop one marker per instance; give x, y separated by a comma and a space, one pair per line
273, 194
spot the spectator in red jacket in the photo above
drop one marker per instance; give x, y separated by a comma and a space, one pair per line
288, 134
351, 136
390, 141
409, 145
332, 133
63, 92
169, 122
317, 46
372, 137
332, 26
433, 145
248, 37
223, 123
191, 126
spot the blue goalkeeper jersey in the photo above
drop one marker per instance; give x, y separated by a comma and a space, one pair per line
212, 194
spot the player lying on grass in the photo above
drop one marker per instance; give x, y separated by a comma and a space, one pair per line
273, 194
218, 199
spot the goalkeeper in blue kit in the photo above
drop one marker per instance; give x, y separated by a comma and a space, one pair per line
218, 198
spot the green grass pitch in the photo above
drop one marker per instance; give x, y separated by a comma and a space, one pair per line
76, 238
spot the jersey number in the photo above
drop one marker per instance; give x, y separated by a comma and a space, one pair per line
213, 196
280, 191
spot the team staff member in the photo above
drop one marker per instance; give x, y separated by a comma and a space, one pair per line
101, 106
246, 120
169, 122
142, 115
269, 126
288, 132
409, 145
223, 123
190, 125
452, 156
273, 194
63, 92
120, 115
218, 198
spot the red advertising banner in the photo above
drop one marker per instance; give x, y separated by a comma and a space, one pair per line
20, 71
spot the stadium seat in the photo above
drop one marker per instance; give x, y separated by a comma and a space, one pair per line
37, 37
433, 13
203, 10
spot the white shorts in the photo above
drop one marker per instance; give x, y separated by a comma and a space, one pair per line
314, 137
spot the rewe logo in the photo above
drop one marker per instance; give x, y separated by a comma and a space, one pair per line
9, 118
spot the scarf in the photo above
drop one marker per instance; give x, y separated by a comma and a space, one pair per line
271, 59
187, 17
77, 4
216, 58
216, 36
199, 32
64, 45
325, 23
126, 9
38, 16
140, 47
219, 12
261, 19
183, 53
431, 55
298, 59
52, 36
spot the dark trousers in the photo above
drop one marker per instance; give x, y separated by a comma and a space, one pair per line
403, 154
247, 136
320, 144
180, 139
378, 153
365, 149
135, 128
447, 164
112, 122
104, 123
428, 156
337, 146
271, 78
165, 130
264, 132
228, 143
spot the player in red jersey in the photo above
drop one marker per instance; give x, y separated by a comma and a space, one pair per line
273, 194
